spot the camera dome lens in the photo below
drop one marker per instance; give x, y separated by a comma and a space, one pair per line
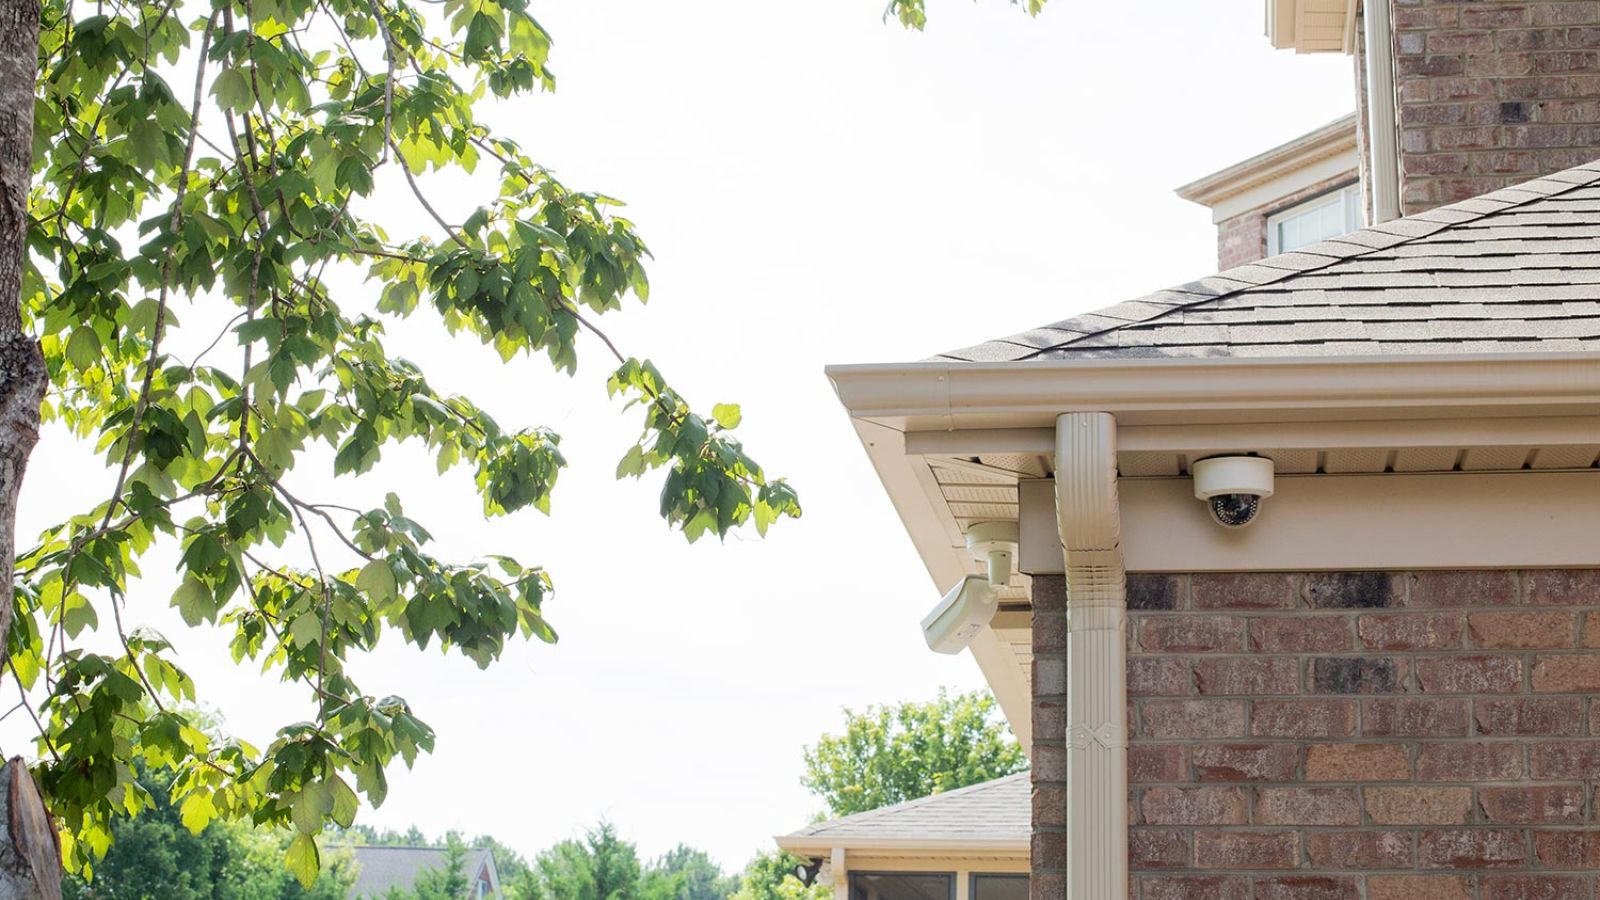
1234, 510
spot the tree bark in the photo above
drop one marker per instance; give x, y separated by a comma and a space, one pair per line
30, 854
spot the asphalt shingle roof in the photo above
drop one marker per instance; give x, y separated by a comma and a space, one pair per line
382, 868
1514, 270
992, 811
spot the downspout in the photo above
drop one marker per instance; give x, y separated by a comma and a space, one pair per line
1097, 749
1383, 151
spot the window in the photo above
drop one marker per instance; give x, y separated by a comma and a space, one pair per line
902, 886
1322, 217
999, 887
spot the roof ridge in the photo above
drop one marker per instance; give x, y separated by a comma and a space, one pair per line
878, 813
1404, 230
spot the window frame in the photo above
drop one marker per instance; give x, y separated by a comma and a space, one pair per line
1347, 195
950, 876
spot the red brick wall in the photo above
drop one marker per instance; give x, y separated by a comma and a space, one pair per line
1243, 238
1492, 94
1049, 756
1353, 735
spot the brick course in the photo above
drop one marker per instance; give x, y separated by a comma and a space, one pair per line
1492, 94
1049, 756
1387, 736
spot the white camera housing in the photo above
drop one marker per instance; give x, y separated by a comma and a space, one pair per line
969, 607
1233, 487
966, 610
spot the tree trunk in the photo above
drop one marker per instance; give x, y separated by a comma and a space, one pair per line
30, 855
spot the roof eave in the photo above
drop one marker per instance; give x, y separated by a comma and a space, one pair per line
812, 844
1330, 140
938, 395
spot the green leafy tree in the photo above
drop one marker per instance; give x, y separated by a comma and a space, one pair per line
366, 835
155, 855
201, 176
684, 873
261, 873
601, 866
771, 876
890, 754
448, 883
513, 869
886, 755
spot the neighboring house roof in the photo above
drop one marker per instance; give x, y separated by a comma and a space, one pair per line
994, 815
383, 868
1514, 270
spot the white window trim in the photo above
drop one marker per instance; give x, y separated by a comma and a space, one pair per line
1349, 196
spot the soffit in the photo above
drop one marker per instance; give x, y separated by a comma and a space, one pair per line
1312, 26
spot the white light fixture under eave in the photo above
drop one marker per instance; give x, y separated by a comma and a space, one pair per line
970, 606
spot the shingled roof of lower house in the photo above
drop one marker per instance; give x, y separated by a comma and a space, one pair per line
1514, 270
381, 869
988, 814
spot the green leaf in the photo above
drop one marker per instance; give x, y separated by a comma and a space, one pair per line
276, 448
306, 629
149, 143
83, 348
232, 90
632, 463
378, 581
765, 515
194, 601
78, 614
345, 802
482, 33
197, 811
258, 330
310, 805
727, 415
303, 860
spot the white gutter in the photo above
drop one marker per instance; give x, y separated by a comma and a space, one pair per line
1097, 647
1382, 126
933, 395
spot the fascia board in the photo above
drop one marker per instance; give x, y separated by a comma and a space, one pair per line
1270, 193
931, 396
1282, 169
815, 845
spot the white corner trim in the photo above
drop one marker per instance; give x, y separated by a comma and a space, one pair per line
1097, 645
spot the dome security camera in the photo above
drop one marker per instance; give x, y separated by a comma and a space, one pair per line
1233, 487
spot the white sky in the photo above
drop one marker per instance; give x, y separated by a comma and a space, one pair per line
817, 187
